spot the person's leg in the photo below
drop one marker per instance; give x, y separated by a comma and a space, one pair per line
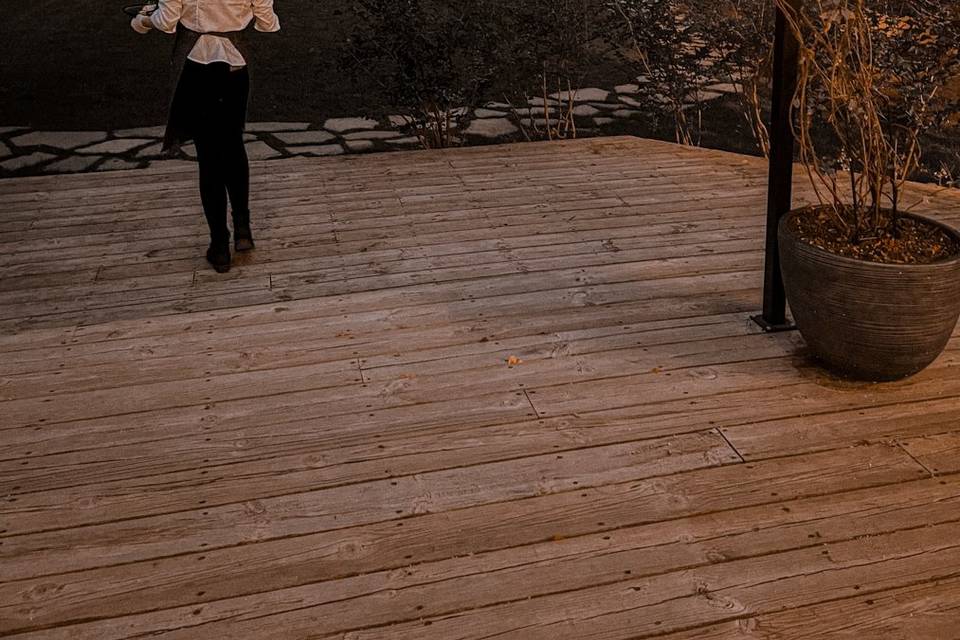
213, 192
211, 156
237, 167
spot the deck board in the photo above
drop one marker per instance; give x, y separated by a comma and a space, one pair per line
503, 391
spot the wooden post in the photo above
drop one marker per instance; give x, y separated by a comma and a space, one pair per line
780, 190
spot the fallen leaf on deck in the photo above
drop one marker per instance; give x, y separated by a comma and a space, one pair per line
514, 361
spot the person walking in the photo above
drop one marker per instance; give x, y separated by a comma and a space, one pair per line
210, 88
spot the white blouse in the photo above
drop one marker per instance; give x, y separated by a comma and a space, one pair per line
212, 15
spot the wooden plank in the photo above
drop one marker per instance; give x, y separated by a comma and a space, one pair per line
311, 346
258, 447
91, 411
122, 399
298, 560
385, 291
889, 419
924, 610
652, 607
257, 409
336, 332
570, 255
137, 304
605, 228
411, 309
193, 524
607, 557
605, 393
582, 207
938, 452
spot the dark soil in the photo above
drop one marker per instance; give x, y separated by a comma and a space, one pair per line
905, 240
79, 66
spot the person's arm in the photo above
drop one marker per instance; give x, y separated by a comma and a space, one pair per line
141, 23
266, 19
164, 16
167, 16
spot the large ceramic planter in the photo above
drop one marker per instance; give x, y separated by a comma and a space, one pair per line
867, 320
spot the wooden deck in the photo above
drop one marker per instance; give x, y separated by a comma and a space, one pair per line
502, 392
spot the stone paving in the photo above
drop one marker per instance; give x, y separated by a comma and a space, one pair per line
27, 152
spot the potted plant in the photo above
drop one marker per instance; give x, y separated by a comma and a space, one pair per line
873, 288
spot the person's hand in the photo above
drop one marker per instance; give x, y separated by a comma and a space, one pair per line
141, 23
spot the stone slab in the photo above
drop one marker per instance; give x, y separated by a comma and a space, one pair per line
250, 137
154, 149
59, 139
600, 122
261, 151
73, 164
627, 88
305, 137
491, 128
533, 112
625, 113
585, 111
632, 102
22, 162
539, 102
6, 130
116, 146
605, 106
342, 125
5, 151
488, 113
590, 94
371, 135
407, 141
398, 121
142, 132
271, 127
319, 150
498, 105
357, 146
189, 150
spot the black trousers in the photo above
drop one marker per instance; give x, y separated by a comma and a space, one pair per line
213, 101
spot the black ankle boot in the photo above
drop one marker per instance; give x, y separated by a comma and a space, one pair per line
218, 255
242, 235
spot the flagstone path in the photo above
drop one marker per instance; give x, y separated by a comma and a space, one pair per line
27, 152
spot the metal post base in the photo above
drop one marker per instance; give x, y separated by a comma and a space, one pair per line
773, 328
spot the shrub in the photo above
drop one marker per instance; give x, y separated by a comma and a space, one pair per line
871, 77
428, 58
679, 46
